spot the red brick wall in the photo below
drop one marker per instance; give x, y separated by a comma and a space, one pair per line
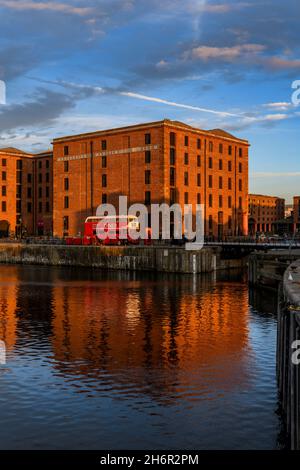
265, 210
85, 191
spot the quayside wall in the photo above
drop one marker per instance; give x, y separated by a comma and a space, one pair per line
161, 259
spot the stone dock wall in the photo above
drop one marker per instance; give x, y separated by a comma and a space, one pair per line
161, 259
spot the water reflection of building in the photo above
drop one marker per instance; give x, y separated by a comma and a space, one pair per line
172, 329
8, 321
157, 336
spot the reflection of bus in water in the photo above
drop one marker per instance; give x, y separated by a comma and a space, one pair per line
111, 227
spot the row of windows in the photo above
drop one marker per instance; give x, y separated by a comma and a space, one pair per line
29, 177
29, 207
199, 145
172, 161
210, 161
19, 164
210, 180
173, 200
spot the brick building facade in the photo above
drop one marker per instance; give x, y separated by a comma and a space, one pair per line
26, 205
165, 161
264, 211
297, 213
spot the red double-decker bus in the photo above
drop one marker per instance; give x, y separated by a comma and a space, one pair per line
111, 228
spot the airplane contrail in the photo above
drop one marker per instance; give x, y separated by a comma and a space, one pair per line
100, 90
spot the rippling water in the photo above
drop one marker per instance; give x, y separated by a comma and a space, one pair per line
126, 361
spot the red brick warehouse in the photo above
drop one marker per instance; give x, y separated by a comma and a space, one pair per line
26, 193
165, 161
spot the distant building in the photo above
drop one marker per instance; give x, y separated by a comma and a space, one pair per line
159, 162
26, 193
297, 213
264, 211
288, 212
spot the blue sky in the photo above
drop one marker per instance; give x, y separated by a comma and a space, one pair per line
78, 66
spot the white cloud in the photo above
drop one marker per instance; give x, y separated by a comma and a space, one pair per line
23, 5
223, 53
279, 106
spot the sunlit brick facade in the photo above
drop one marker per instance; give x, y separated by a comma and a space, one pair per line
264, 211
297, 213
26, 193
165, 161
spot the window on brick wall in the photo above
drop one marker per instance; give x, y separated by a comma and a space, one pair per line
186, 178
3, 206
230, 150
198, 198
147, 198
47, 191
220, 182
186, 140
172, 139
199, 144
3, 190
172, 176
198, 160
104, 162
103, 144
230, 166
220, 164
240, 185
66, 202
172, 196
19, 164
147, 177
66, 222
29, 192
66, 150
148, 156
40, 192
3, 175
104, 198
220, 148
210, 181
210, 163
172, 156
40, 164
4, 162
240, 168
47, 206
66, 166
220, 201
40, 178
29, 207
229, 202
147, 139
240, 152
47, 164
186, 198
210, 147
210, 200
104, 181
47, 177
186, 158
66, 184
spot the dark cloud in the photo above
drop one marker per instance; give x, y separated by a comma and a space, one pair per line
43, 108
